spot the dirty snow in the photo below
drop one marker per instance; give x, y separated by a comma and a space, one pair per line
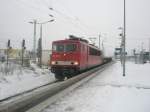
15, 79
110, 92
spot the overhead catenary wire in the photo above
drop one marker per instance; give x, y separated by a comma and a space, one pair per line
69, 19
32, 6
47, 12
75, 18
74, 21
48, 3
138, 39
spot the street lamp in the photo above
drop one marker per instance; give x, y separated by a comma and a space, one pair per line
41, 39
45, 22
124, 39
149, 50
51, 15
34, 39
51, 8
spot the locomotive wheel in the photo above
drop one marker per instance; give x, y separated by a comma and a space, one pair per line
69, 76
59, 77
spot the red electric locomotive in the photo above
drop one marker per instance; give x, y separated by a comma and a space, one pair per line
73, 55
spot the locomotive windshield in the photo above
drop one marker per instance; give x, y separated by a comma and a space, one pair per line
64, 47
70, 47
58, 47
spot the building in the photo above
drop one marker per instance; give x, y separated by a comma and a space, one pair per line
46, 54
3, 55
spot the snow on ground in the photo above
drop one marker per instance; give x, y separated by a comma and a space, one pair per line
110, 92
18, 80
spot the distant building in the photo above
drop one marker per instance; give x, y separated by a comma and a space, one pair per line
117, 53
2, 55
14, 53
46, 57
17, 55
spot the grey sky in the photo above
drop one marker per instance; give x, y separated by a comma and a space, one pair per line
86, 18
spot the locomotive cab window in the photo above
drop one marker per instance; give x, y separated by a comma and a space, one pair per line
70, 47
58, 47
64, 47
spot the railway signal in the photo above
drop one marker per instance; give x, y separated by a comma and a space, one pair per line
8, 49
23, 48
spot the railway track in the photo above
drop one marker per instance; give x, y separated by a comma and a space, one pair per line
37, 99
19, 94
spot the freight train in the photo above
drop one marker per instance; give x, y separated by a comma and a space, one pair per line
72, 56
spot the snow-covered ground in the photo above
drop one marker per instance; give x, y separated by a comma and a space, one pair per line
110, 92
18, 80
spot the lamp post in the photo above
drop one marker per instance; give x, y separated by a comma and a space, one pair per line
34, 22
124, 39
40, 50
149, 50
34, 39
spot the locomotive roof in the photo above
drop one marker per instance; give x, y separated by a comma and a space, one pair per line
75, 41
66, 40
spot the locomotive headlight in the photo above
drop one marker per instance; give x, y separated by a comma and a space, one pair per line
76, 63
53, 62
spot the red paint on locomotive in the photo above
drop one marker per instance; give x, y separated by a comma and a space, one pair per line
71, 56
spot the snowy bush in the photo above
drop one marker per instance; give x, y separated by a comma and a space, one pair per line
9, 69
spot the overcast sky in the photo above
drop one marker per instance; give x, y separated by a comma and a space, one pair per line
85, 18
